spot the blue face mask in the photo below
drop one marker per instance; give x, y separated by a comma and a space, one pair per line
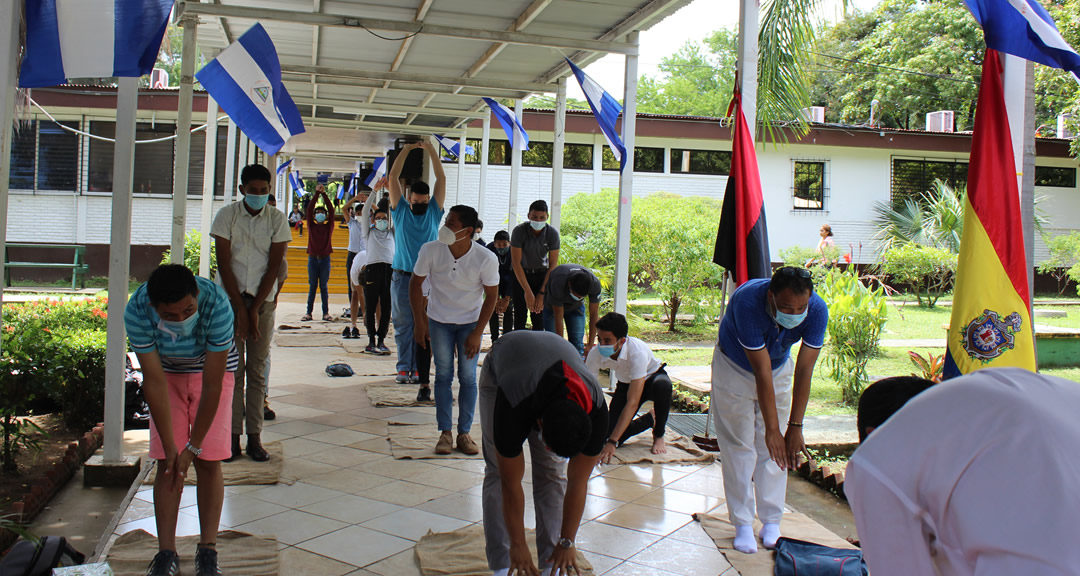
256, 201
605, 350
381, 225
537, 225
181, 329
789, 321
320, 217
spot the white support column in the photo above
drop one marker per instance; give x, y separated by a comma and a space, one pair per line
11, 16
557, 153
127, 99
209, 169
230, 162
515, 173
459, 194
242, 157
485, 141
747, 60
626, 181
183, 138
598, 163
1020, 104
252, 152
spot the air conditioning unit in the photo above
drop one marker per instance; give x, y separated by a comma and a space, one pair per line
1063, 130
815, 114
941, 121
159, 78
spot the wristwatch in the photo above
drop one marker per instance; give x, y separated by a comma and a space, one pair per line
196, 451
566, 543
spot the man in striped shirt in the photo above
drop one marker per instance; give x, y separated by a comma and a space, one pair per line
181, 328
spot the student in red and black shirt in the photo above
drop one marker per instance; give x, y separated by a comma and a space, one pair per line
320, 219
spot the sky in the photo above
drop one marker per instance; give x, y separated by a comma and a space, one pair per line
694, 22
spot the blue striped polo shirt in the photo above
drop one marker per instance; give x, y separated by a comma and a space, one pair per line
187, 354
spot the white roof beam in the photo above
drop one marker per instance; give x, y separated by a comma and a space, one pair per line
301, 17
394, 108
374, 126
470, 93
315, 34
488, 84
421, 12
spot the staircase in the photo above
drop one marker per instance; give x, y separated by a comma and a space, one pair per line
296, 255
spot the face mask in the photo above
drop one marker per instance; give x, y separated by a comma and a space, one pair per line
256, 201
476, 236
180, 329
381, 225
606, 351
502, 251
447, 236
537, 225
789, 321
576, 297
320, 217
419, 209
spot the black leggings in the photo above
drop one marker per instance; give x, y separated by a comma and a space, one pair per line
376, 279
422, 355
507, 322
521, 310
658, 389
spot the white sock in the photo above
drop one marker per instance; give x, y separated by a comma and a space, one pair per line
744, 539
770, 533
502, 572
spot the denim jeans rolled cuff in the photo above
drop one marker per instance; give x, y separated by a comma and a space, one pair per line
446, 339
573, 325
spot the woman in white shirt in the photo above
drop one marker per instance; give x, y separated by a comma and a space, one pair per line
379, 239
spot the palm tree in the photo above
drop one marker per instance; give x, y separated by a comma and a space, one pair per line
785, 41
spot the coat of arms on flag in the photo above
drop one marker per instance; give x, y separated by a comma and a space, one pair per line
262, 93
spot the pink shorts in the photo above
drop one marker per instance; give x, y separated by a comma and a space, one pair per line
185, 390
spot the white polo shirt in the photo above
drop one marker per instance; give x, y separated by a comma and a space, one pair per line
358, 263
457, 286
635, 361
249, 239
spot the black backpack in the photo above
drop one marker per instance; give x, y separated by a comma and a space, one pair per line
27, 559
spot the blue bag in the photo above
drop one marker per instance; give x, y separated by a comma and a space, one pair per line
796, 557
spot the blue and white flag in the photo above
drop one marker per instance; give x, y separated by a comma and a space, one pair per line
284, 166
297, 184
245, 79
452, 146
1023, 28
606, 110
378, 171
514, 130
91, 39
350, 189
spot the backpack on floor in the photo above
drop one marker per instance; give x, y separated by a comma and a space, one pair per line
339, 370
27, 559
796, 557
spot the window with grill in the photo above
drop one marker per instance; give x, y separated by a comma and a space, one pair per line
809, 191
911, 178
57, 157
1055, 176
23, 144
700, 162
153, 161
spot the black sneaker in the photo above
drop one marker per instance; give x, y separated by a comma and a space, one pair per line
206, 562
165, 563
370, 349
346, 333
269, 414
355, 333
424, 395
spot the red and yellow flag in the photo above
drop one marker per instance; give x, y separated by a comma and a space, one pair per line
991, 325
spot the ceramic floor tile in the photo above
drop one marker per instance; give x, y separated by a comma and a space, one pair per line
400, 564
292, 527
612, 540
188, 498
268, 436
682, 558
402, 469
413, 524
338, 420
647, 474
352, 509
462, 506
297, 428
469, 465
374, 412
357, 545
295, 496
653, 520
602, 563
598, 506
371, 426
241, 489
679, 501
692, 533
348, 480
186, 525
241, 509
447, 478
618, 489
287, 411
404, 493
341, 436
634, 569
299, 561
295, 468
344, 456
700, 483
303, 447
380, 445
137, 510
414, 418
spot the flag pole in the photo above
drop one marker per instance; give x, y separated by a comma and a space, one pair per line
626, 178
1020, 104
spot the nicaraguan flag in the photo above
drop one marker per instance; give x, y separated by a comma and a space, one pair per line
91, 39
452, 146
606, 110
1023, 28
284, 166
378, 171
514, 130
245, 79
297, 184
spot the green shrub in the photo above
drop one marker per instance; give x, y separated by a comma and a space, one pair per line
857, 315
928, 272
800, 256
1064, 261
193, 253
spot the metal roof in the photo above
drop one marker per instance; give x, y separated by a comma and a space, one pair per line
407, 66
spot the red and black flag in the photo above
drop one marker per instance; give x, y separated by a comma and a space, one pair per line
742, 241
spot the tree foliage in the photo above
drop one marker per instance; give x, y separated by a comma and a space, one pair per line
927, 271
696, 80
1063, 263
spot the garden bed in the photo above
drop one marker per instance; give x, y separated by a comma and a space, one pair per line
827, 468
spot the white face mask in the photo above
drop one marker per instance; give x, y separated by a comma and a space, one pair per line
447, 236
382, 224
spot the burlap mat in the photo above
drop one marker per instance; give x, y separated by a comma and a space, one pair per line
461, 553
309, 340
793, 525
680, 449
417, 441
243, 470
239, 554
394, 395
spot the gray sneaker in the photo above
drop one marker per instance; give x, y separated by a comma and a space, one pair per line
382, 350
206, 563
165, 563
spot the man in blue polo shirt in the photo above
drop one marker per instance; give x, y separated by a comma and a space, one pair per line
416, 222
758, 413
181, 328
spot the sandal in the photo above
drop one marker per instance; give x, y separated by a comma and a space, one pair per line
305, 318
327, 318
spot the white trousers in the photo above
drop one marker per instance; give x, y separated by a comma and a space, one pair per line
740, 434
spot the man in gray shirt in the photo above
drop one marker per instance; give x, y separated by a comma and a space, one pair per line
534, 253
534, 386
566, 289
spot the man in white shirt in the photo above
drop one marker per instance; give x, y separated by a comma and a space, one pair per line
976, 475
464, 291
641, 378
250, 241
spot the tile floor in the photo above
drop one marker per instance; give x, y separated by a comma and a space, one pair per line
355, 510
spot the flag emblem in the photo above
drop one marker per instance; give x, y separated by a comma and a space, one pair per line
262, 93
988, 336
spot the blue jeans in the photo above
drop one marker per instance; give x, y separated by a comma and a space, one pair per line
445, 338
573, 323
401, 312
318, 274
